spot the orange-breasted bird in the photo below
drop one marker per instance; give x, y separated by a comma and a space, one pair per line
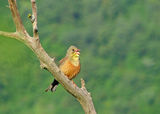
69, 65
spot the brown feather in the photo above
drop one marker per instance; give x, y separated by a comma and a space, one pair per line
63, 60
69, 69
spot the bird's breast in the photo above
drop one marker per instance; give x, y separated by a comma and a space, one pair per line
69, 69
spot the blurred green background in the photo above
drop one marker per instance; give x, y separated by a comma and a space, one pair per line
120, 56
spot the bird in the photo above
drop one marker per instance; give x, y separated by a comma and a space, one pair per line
69, 65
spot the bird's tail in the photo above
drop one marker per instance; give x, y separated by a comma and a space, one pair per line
53, 86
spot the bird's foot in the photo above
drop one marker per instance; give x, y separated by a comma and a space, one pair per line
74, 84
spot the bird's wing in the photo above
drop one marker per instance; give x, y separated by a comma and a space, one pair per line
63, 60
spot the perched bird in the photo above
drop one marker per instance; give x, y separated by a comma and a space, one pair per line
69, 65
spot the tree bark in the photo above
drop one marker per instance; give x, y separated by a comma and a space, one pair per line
81, 94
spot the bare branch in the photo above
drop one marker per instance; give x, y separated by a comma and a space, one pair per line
14, 35
34, 17
16, 17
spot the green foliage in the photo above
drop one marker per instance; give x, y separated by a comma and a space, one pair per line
119, 42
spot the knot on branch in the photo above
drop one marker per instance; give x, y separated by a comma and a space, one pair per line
33, 1
43, 66
36, 30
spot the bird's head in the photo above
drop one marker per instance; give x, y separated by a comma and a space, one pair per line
73, 53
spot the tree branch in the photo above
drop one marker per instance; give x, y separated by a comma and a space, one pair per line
81, 94
13, 35
34, 11
16, 17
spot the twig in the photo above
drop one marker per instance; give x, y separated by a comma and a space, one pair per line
16, 17
10, 34
34, 11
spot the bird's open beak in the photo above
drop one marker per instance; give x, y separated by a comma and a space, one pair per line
77, 51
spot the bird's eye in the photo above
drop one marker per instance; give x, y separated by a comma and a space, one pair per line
72, 49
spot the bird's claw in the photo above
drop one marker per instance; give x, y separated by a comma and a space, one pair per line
74, 84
